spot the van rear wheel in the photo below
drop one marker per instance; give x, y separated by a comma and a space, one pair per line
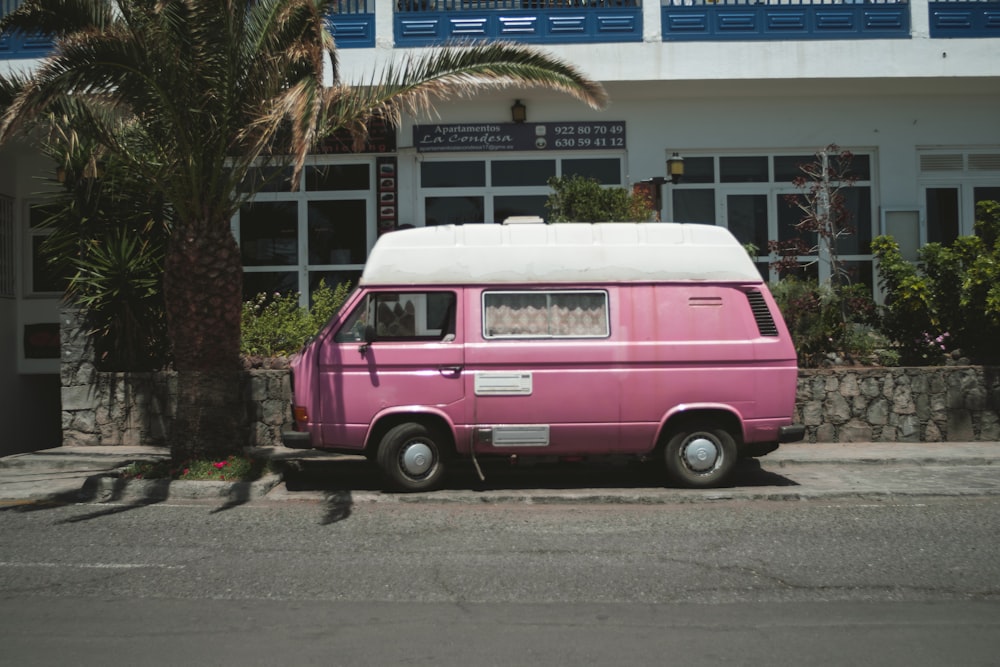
411, 456
700, 457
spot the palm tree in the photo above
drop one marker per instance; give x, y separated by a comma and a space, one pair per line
193, 94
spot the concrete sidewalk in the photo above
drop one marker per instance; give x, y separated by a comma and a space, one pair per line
88, 474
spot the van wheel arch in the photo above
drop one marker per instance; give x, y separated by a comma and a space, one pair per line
389, 422
700, 448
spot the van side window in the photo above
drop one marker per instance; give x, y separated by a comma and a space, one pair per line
556, 314
401, 316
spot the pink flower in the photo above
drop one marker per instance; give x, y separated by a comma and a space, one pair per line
220, 465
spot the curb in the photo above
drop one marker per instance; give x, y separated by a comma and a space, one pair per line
109, 488
614, 497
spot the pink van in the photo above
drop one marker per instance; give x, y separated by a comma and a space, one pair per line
650, 340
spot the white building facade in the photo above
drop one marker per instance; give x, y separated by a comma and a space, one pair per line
744, 92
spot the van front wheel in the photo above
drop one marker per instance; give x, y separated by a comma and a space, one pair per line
411, 457
699, 457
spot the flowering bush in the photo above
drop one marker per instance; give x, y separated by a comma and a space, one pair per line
830, 325
232, 469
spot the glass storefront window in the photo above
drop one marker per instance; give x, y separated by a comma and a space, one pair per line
333, 177
790, 215
268, 179
786, 167
606, 171
859, 202
507, 206
43, 277
338, 232
752, 169
511, 173
453, 210
746, 217
515, 187
458, 174
693, 205
269, 233
699, 170
942, 215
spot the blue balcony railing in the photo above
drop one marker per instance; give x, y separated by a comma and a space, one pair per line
21, 46
753, 20
353, 24
964, 18
430, 22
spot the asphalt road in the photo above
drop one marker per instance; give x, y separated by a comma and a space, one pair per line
332, 582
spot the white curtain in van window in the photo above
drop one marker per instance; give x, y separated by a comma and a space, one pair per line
544, 314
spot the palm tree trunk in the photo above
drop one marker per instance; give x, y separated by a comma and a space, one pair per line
203, 291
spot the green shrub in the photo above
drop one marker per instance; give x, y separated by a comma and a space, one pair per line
325, 304
579, 199
275, 325
950, 299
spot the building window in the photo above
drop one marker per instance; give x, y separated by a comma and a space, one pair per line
7, 254
953, 183
40, 278
290, 241
748, 195
494, 189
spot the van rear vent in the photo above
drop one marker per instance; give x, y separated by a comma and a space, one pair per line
765, 323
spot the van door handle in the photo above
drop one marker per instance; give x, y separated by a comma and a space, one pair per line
450, 370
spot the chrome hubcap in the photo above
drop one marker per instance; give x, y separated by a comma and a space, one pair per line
416, 459
700, 454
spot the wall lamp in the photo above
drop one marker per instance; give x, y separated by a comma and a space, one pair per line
675, 171
518, 112
675, 168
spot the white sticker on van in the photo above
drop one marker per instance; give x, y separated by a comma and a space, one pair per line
503, 384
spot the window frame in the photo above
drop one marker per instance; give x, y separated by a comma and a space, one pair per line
348, 332
775, 191
548, 293
303, 269
488, 192
31, 259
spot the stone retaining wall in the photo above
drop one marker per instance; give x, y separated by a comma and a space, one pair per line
928, 404
100, 408
934, 404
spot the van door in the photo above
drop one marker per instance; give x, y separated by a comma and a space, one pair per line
544, 372
412, 357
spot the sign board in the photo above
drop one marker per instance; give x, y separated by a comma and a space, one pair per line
555, 136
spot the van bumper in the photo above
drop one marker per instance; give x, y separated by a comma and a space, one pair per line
296, 439
791, 433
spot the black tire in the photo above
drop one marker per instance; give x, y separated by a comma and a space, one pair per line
412, 457
700, 457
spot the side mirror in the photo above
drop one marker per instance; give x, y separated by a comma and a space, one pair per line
369, 338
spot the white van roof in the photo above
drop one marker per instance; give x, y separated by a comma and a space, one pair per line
558, 253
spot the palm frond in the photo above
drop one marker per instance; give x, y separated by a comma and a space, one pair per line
58, 18
458, 70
